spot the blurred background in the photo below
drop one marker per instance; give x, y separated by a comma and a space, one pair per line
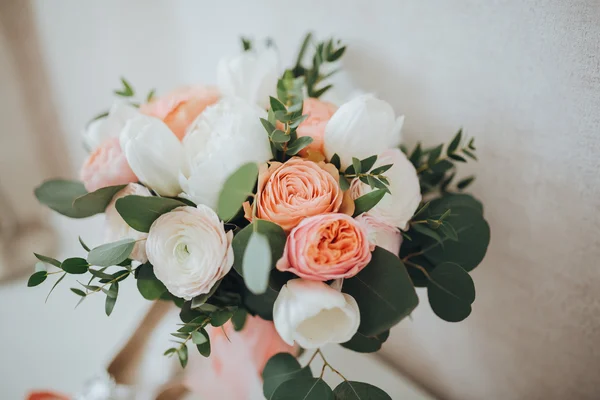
523, 78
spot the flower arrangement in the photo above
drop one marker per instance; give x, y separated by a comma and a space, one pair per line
258, 199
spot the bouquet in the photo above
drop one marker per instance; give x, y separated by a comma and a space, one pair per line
257, 198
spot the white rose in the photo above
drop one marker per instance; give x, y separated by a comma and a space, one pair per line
360, 128
252, 75
189, 250
101, 129
381, 233
116, 228
398, 207
225, 136
313, 314
154, 153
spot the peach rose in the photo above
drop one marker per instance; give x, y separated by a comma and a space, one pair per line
234, 368
319, 113
106, 166
327, 246
287, 193
179, 108
380, 233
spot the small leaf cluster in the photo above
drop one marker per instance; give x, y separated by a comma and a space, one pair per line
437, 169
325, 52
126, 91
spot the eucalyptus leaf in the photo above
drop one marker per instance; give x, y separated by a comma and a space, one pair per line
47, 260
454, 143
75, 265
297, 145
96, 202
150, 287
367, 201
110, 254
236, 190
239, 319
141, 211
451, 292
219, 318
111, 298
198, 338
257, 263
59, 195
37, 278
367, 163
280, 368
182, 353
204, 348
274, 234
366, 344
303, 388
351, 390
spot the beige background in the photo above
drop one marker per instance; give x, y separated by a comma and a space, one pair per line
523, 77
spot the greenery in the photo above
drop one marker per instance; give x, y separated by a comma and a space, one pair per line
140, 212
236, 189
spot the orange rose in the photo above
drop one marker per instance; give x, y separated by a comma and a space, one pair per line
319, 113
324, 247
287, 193
179, 108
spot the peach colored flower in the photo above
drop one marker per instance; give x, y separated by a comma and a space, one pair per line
289, 192
381, 233
319, 113
234, 368
106, 166
327, 246
179, 108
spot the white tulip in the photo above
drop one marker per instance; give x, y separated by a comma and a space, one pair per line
190, 250
225, 136
116, 227
252, 75
398, 207
313, 314
362, 127
101, 129
154, 153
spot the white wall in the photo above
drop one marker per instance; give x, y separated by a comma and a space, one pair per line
522, 77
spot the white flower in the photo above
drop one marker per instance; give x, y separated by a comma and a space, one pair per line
225, 136
189, 250
252, 75
154, 153
398, 207
362, 127
381, 233
313, 314
116, 228
101, 129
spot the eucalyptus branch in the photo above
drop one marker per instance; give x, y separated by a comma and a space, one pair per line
326, 364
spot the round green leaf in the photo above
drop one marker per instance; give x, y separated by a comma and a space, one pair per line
383, 291
75, 265
110, 254
274, 234
280, 368
148, 284
257, 263
141, 211
59, 195
303, 388
96, 202
452, 200
351, 390
220, 317
451, 292
37, 278
239, 319
204, 348
366, 344
236, 189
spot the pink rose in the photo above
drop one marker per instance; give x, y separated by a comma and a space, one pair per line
326, 246
380, 233
106, 166
234, 368
179, 108
319, 113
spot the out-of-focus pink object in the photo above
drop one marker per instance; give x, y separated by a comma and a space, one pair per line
106, 166
45, 395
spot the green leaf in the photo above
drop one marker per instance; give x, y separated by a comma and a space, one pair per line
261, 304
275, 235
198, 338
59, 280
59, 195
219, 318
427, 231
257, 263
150, 95
280, 368
462, 184
434, 154
448, 230
344, 184
367, 201
200, 300
279, 136
351, 390
37, 278
75, 265
110, 254
239, 319
111, 298
367, 163
269, 127
321, 92
356, 165
276, 105
415, 156
451, 292
127, 90
381, 169
303, 388
170, 351
82, 243
78, 292
455, 142
150, 287
298, 145
246, 44
48, 260
182, 353
469, 154
366, 344
452, 200
204, 348
384, 292
236, 190
96, 202
141, 211
335, 160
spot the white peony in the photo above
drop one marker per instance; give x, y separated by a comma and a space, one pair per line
225, 136
101, 129
397, 208
116, 228
154, 153
360, 128
190, 250
313, 314
252, 75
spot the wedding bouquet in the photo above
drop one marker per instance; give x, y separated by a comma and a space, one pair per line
258, 198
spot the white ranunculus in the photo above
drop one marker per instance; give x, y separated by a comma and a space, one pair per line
117, 229
190, 250
101, 129
398, 207
225, 136
313, 314
154, 153
252, 75
360, 128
